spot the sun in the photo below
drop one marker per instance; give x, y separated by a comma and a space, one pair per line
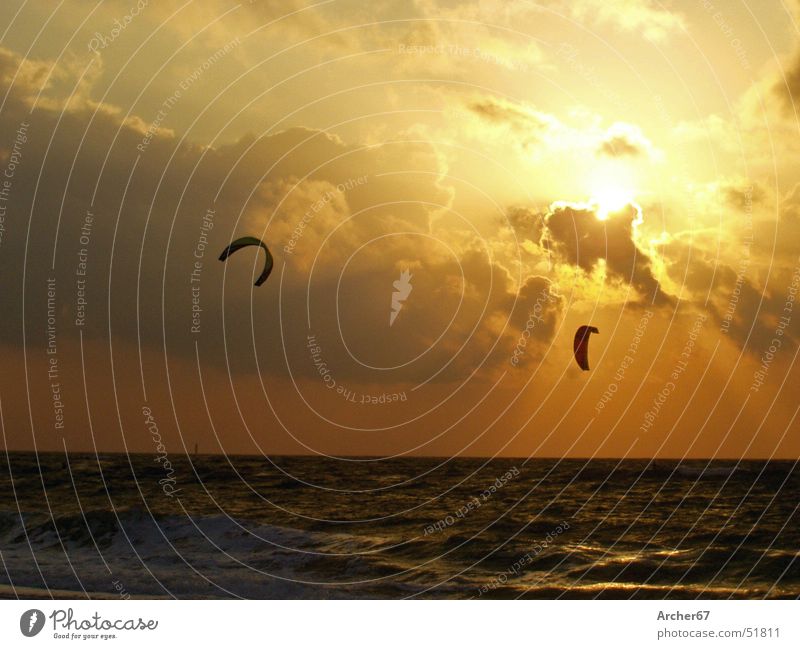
610, 198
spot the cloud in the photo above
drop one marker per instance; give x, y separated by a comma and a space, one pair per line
618, 146
744, 309
787, 85
463, 316
527, 125
576, 236
623, 140
526, 222
790, 205
743, 195
367, 212
647, 17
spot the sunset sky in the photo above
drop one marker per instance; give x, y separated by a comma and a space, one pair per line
535, 166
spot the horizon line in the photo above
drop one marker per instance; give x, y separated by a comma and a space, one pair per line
426, 457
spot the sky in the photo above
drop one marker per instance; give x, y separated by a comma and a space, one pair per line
448, 189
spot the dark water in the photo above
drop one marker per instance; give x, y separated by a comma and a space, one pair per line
309, 527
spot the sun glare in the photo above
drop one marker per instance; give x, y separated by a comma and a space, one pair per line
610, 199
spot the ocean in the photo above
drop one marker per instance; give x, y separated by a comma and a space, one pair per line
128, 526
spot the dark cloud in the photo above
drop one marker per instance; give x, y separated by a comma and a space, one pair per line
750, 315
689, 266
619, 146
364, 220
538, 297
742, 310
578, 237
527, 223
744, 196
526, 124
790, 205
787, 88
623, 140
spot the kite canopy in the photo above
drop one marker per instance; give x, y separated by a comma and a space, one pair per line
581, 345
245, 242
